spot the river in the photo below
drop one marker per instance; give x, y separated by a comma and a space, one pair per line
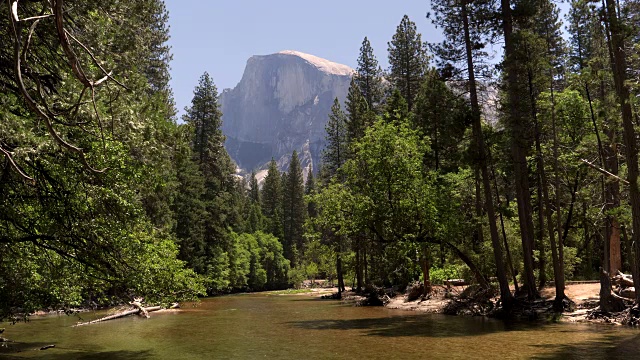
263, 326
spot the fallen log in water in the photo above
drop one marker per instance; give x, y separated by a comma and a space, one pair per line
138, 310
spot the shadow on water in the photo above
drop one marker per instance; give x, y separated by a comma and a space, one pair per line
32, 350
608, 347
437, 326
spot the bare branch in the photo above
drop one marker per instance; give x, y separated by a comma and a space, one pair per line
39, 17
95, 61
605, 172
31, 103
28, 42
95, 108
14, 11
66, 45
7, 154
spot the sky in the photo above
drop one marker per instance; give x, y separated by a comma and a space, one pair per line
220, 36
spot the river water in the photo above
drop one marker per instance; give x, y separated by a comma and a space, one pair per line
263, 326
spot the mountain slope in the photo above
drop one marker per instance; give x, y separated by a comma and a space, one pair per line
280, 105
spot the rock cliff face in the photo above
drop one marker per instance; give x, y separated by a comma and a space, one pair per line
281, 104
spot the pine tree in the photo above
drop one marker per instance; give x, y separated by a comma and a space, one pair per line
254, 220
618, 44
272, 201
254, 188
519, 123
368, 76
407, 59
217, 168
188, 207
335, 153
295, 211
397, 108
454, 15
442, 116
310, 190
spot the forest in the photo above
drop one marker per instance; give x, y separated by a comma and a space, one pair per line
516, 169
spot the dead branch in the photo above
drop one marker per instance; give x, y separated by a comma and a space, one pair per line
605, 172
15, 166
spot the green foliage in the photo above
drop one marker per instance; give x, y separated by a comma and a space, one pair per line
386, 192
335, 152
442, 116
75, 235
358, 114
449, 271
272, 199
368, 76
294, 210
408, 60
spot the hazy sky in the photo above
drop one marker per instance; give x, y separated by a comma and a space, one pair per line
219, 36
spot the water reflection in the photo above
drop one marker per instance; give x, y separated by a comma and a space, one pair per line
300, 327
417, 325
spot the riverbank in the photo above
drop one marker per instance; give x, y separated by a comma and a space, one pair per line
585, 297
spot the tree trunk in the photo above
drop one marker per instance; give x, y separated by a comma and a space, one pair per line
472, 266
478, 235
425, 269
543, 201
504, 233
505, 292
629, 136
559, 262
358, 264
519, 150
138, 310
341, 287
365, 265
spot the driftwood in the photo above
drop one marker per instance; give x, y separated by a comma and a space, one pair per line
138, 305
456, 282
623, 280
626, 289
629, 292
139, 310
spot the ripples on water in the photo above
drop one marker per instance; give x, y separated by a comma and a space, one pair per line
264, 326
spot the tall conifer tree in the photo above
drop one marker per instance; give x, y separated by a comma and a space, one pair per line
369, 76
335, 153
295, 211
217, 168
272, 201
408, 60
